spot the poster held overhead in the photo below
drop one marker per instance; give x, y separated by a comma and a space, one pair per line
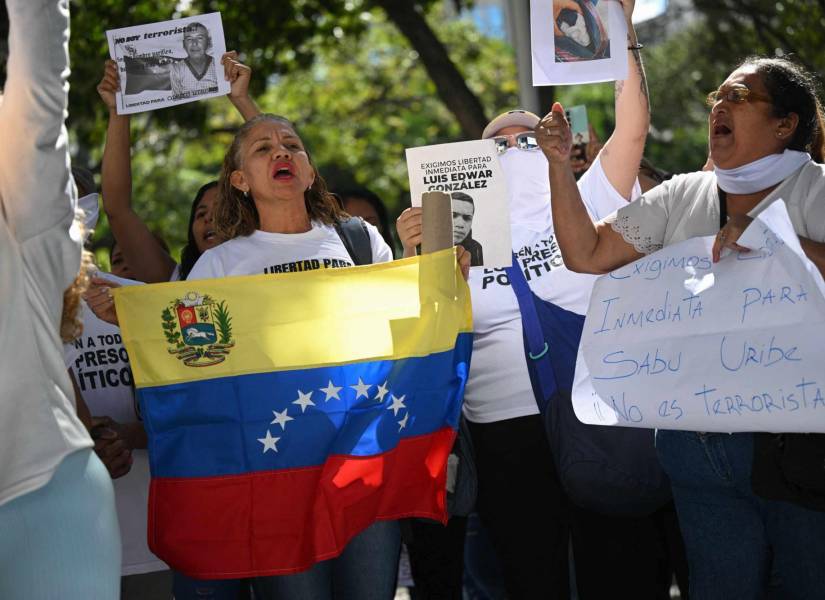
577, 41
168, 63
470, 173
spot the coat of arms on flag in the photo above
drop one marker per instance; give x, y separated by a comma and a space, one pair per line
337, 407
201, 335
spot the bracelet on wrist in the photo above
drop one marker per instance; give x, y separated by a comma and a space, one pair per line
636, 46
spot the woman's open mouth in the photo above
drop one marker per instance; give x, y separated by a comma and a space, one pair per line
282, 172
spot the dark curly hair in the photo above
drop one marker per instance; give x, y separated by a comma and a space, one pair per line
236, 214
793, 89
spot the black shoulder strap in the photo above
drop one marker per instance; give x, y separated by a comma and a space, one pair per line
723, 207
356, 239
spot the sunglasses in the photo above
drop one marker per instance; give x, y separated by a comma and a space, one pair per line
522, 141
737, 94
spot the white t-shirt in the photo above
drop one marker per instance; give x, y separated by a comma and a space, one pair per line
100, 366
499, 385
264, 252
687, 206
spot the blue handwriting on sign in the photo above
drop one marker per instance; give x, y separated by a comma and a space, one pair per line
629, 413
670, 410
647, 365
733, 358
772, 297
653, 268
666, 311
804, 395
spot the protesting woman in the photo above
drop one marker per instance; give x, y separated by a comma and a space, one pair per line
764, 121
274, 210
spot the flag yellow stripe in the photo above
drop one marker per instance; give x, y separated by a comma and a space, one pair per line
406, 308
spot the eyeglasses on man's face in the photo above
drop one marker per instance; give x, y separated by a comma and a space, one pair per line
736, 94
522, 141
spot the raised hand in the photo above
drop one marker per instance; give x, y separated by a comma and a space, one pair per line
237, 74
554, 136
109, 84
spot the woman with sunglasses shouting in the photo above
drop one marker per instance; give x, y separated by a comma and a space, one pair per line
520, 499
750, 527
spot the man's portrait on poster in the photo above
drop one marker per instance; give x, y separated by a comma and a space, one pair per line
463, 211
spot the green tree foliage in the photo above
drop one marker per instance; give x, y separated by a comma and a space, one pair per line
359, 103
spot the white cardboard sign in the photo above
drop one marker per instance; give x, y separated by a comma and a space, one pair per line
673, 341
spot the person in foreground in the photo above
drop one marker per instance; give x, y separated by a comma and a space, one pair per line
58, 527
766, 142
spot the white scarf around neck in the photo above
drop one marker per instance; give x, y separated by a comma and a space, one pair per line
762, 173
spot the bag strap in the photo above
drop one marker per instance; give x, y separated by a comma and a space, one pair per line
537, 347
356, 239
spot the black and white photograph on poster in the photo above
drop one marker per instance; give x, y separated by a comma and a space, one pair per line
470, 173
577, 41
168, 63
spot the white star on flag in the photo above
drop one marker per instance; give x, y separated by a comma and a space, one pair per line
331, 391
281, 418
382, 391
303, 401
403, 422
269, 442
362, 389
397, 404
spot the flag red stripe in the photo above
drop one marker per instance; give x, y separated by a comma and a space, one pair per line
280, 522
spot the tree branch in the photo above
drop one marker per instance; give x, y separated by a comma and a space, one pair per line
450, 84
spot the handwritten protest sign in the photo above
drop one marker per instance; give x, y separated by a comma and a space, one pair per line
168, 63
577, 41
674, 341
470, 173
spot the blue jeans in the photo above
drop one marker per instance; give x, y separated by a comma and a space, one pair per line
366, 570
62, 540
738, 544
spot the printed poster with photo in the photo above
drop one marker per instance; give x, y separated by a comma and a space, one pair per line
577, 41
168, 63
470, 173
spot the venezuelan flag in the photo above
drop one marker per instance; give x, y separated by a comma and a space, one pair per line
286, 413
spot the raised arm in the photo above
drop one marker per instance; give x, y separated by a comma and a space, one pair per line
623, 151
586, 247
35, 190
239, 75
144, 254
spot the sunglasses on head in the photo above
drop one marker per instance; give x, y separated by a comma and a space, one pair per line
736, 94
522, 141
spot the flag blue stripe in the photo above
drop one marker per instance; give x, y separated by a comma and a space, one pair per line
229, 425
